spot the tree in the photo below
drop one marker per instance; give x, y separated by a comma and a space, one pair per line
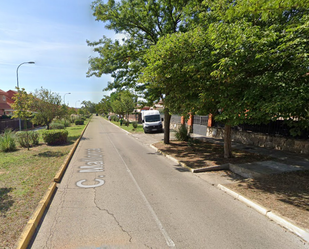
21, 105
104, 106
243, 68
262, 63
46, 105
171, 72
123, 102
143, 23
89, 106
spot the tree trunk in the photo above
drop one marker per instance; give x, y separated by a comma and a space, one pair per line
227, 142
167, 120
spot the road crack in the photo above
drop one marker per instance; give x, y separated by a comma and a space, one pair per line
112, 215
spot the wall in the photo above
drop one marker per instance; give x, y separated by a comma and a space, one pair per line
261, 140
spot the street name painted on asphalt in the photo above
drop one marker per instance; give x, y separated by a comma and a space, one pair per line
93, 164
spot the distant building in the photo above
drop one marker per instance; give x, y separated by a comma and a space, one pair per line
6, 101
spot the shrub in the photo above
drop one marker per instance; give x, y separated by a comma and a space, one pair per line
34, 137
55, 137
27, 139
56, 126
126, 122
115, 118
73, 118
79, 122
22, 138
134, 124
182, 133
7, 141
66, 122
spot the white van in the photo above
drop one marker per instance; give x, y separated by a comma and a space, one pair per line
151, 121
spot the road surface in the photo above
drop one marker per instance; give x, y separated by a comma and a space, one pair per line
119, 193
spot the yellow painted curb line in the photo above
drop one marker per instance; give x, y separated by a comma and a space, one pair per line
35, 218
64, 166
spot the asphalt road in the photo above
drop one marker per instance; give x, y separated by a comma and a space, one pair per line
119, 193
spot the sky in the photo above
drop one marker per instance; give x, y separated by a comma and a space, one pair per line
52, 34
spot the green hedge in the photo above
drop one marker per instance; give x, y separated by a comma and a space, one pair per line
55, 137
56, 126
79, 122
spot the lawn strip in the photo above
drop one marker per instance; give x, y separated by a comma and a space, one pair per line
129, 128
24, 178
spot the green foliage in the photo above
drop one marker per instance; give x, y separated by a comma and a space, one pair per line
46, 105
79, 122
115, 118
55, 137
122, 102
34, 137
27, 139
22, 104
134, 124
243, 61
88, 106
104, 106
182, 133
56, 126
143, 23
7, 141
126, 122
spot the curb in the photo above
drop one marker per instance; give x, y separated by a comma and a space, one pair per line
35, 218
219, 167
171, 158
268, 213
64, 166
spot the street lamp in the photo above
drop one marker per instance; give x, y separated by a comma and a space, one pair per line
75, 104
29, 62
64, 97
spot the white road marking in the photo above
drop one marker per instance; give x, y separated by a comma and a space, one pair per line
168, 240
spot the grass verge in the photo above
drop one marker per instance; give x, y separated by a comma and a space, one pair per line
130, 128
24, 178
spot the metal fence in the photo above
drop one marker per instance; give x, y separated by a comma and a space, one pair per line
13, 124
274, 128
200, 120
200, 124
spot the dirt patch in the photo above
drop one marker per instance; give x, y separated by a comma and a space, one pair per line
286, 194
203, 154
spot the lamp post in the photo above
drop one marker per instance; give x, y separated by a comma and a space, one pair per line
64, 96
29, 62
75, 104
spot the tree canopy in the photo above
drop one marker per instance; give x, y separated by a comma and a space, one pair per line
243, 61
143, 23
244, 66
46, 105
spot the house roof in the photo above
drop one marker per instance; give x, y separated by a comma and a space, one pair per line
9, 100
4, 106
11, 93
3, 93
